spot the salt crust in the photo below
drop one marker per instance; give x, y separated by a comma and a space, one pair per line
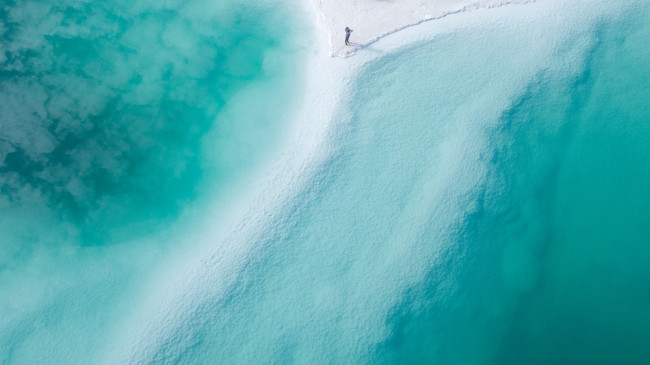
200, 287
374, 19
195, 282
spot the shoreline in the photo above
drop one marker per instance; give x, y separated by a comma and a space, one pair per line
187, 284
386, 19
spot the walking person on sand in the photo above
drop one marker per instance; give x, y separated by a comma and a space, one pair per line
347, 35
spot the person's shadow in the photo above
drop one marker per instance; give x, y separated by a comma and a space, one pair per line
366, 47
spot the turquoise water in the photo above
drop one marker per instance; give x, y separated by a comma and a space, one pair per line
116, 119
106, 107
485, 199
591, 302
485, 203
554, 264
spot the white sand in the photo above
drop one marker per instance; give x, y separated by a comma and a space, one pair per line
207, 304
373, 19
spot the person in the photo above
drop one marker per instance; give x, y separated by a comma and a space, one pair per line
347, 35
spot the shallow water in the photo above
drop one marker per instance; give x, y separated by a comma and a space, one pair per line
117, 119
591, 301
484, 201
554, 268
106, 108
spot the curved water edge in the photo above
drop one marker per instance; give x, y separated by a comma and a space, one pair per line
350, 50
332, 276
177, 71
418, 207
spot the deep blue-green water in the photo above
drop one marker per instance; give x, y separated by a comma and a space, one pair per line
482, 196
552, 265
